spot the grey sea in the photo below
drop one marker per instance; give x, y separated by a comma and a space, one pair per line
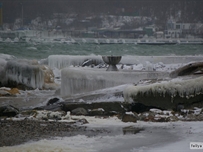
43, 50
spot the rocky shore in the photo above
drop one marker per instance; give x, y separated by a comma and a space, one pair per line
57, 119
20, 131
15, 132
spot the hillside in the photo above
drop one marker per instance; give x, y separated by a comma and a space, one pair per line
158, 10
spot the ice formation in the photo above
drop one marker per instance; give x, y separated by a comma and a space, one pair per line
182, 88
62, 61
23, 72
81, 80
2, 70
29, 73
3, 61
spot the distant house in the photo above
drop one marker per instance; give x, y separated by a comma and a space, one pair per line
181, 30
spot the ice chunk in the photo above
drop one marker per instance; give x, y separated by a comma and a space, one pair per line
29, 73
24, 72
138, 67
62, 61
81, 80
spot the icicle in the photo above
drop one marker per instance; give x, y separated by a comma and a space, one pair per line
22, 72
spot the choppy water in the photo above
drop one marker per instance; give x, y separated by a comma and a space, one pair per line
43, 50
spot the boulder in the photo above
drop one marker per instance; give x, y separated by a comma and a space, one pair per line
8, 111
53, 101
131, 130
130, 117
110, 108
81, 121
200, 117
147, 116
139, 108
9, 92
14, 91
97, 112
79, 111
52, 107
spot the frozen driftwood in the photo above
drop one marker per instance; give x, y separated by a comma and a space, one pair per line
189, 69
167, 94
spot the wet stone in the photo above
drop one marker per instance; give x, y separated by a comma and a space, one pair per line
131, 130
97, 112
161, 119
147, 116
8, 111
53, 101
173, 118
79, 111
200, 117
129, 117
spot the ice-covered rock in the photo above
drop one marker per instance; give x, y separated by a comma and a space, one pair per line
3, 61
28, 73
2, 70
83, 80
45, 115
167, 95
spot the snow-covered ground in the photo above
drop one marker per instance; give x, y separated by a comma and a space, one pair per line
153, 137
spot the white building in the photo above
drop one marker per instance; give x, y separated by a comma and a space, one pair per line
177, 30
